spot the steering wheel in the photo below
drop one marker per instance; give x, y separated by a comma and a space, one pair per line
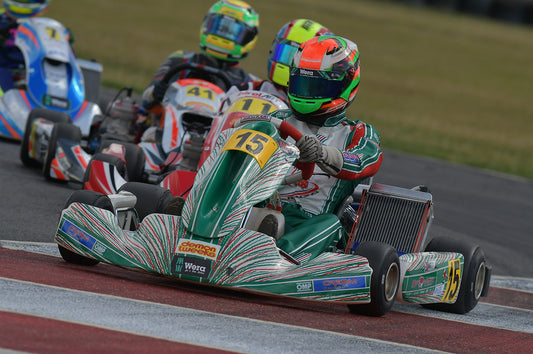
285, 130
204, 69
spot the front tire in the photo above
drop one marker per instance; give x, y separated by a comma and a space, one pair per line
476, 274
385, 280
150, 198
91, 198
48, 114
60, 131
134, 157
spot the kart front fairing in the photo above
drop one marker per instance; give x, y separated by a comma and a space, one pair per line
208, 243
53, 77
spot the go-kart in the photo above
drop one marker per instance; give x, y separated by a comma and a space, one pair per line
210, 241
135, 145
54, 84
173, 162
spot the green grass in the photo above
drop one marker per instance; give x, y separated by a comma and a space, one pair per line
433, 83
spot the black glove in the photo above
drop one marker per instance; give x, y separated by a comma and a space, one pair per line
159, 91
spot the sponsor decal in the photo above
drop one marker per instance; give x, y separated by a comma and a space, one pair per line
301, 189
340, 283
423, 282
304, 287
439, 290
78, 234
198, 248
307, 72
99, 248
57, 102
429, 265
352, 157
194, 266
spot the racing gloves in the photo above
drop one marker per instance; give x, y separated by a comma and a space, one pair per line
153, 95
159, 91
328, 158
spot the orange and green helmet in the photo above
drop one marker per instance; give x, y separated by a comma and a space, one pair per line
229, 30
324, 76
285, 44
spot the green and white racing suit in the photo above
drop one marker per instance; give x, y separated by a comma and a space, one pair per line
309, 207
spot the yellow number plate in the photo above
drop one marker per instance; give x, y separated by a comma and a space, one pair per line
252, 105
261, 146
454, 281
203, 92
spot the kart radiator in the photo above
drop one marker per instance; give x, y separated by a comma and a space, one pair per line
397, 216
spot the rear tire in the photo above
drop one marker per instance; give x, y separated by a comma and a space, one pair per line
91, 198
111, 159
60, 131
48, 114
476, 274
134, 156
385, 280
150, 198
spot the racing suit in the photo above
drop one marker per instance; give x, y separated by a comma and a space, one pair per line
310, 205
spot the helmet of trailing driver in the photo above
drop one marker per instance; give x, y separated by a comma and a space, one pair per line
285, 44
324, 78
24, 8
229, 30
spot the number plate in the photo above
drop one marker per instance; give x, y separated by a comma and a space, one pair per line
261, 146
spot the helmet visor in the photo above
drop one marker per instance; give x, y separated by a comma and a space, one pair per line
227, 28
283, 51
304, 83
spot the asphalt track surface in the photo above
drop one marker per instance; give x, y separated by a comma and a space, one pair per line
47, 305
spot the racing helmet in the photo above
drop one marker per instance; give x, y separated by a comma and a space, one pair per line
285, 44
229, 30
324, 78
24, 8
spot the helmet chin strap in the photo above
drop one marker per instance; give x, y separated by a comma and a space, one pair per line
317, 120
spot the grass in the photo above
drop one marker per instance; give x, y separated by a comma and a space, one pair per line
437, 84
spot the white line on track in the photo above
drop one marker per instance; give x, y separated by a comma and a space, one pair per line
180, 324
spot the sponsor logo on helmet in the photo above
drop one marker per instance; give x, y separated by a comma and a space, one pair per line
307, 72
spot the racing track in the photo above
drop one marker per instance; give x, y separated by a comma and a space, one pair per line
47, 305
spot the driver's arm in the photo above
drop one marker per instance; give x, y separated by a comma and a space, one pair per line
363, 155
361, 158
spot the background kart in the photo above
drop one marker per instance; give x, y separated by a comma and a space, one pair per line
52, 78
105, 173
139, 146
211, 244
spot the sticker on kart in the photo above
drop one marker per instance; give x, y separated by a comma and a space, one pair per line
454, 281
259, 145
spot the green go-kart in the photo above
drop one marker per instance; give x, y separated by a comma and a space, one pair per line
387, 257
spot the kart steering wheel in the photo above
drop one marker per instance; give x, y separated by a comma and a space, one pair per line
285, 130
204, 69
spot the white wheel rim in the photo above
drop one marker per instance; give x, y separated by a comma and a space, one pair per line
479, 281
391, 281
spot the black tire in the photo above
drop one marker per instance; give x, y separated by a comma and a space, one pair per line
476, 274
48, 114
87, 197
385, 279
60, 131
112, 159
150, 198
134, 156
